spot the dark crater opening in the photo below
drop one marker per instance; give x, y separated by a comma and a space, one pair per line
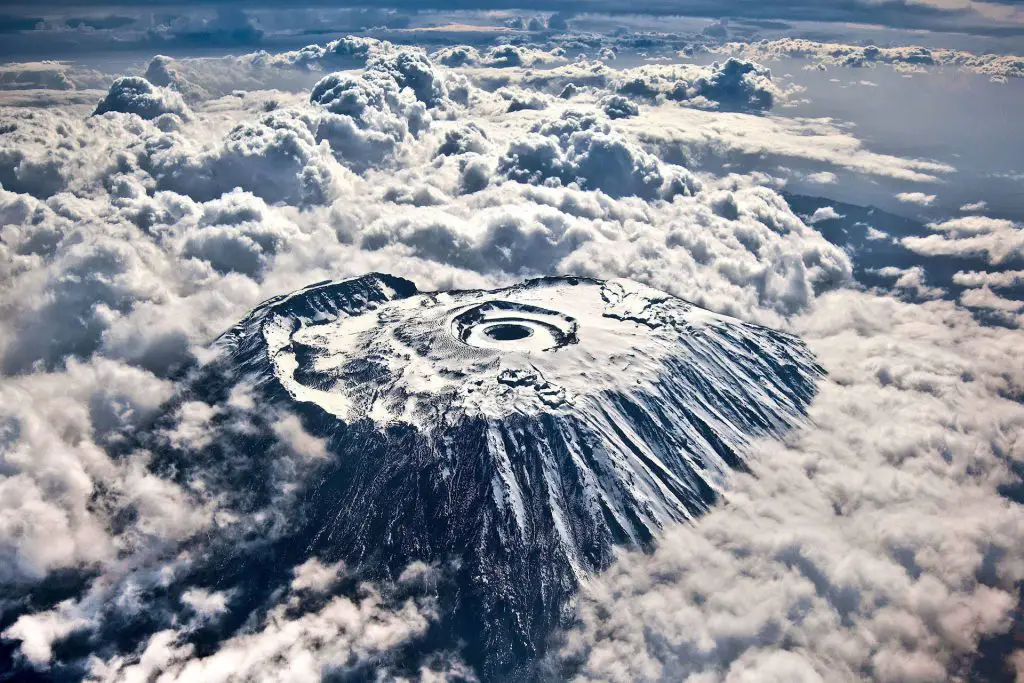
508, 332
508, 321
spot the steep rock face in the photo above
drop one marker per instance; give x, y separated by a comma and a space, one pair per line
514, 436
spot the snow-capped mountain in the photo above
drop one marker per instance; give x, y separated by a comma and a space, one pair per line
514, 436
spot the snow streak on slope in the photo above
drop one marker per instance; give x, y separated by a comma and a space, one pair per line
527, 431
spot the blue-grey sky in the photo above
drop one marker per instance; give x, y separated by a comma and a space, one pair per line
999, 17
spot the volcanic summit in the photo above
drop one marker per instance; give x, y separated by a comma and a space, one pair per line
514, 436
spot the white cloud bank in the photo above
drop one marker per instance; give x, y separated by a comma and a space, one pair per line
872, 546
919, 198
343, 635
997, 66
1006, 278
136, 95
998, 240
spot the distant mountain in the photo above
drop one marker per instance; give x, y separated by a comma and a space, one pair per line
874, 235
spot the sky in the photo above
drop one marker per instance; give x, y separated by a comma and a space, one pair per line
849, 172
994, 17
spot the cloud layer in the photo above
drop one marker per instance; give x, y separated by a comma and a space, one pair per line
136, 227
854, 553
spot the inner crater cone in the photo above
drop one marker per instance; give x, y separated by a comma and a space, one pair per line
508, 332
536, 329
515, 436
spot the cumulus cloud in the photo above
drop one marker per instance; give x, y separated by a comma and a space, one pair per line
205, 604
135, 95
738, 84
520, 100
313, 575
38, 633
825, 213
498, 56
503, 56
842, 54
618, 107
457, 55
55, 428
345, 634
984, 297
1004, 279
579, 148
996, 239
912, 281
369, 115
236, 233
200, 78
974, 206
364, 119
735, 84
821, 178
919, 198
464, 139
50, 75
